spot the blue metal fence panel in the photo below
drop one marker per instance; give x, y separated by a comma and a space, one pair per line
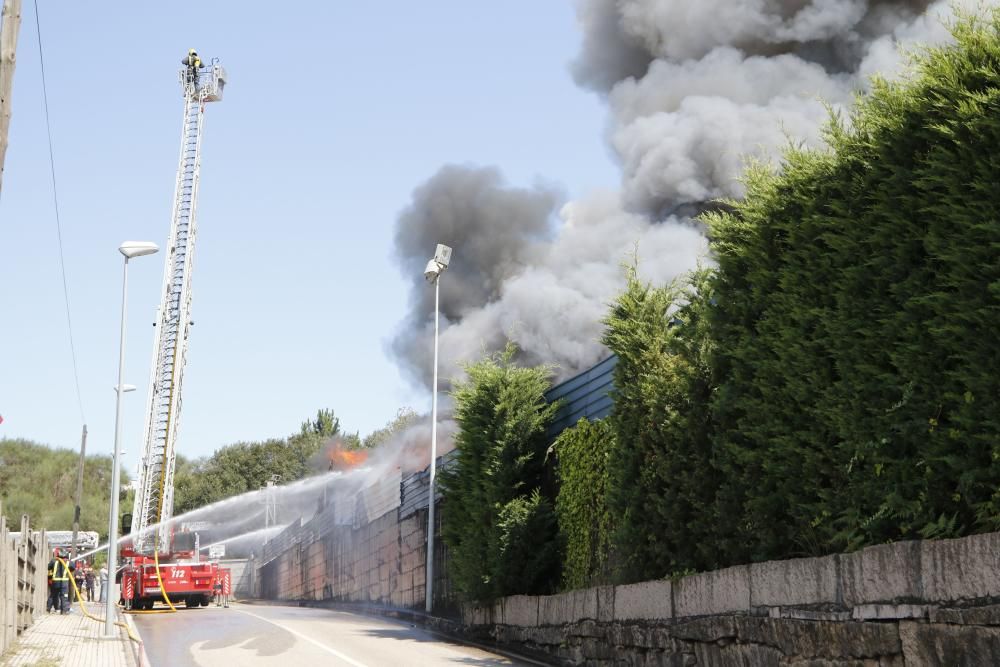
588, 394
415, 488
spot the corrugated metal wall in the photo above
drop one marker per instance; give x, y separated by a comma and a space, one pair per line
589, 395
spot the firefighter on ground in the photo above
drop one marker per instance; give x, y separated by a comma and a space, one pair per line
61, 573
192, 62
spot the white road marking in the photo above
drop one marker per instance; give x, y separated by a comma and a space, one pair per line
332, 651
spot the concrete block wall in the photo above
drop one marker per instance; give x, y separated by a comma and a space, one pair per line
380, 562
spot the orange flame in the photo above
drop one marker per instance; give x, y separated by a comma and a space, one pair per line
345, 459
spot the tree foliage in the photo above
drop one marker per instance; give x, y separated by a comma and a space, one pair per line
405, 417
40, 481
662, 480
499, 528
246, 466
583, 454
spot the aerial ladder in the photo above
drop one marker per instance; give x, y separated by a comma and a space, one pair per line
155, 542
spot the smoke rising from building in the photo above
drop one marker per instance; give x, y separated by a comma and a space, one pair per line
694, 90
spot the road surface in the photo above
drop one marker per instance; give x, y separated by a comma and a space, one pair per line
252, 635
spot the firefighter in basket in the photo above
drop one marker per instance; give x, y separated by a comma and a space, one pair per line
193, 63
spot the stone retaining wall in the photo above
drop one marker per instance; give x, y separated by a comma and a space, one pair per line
909, 603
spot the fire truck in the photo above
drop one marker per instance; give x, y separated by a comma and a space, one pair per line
163, 563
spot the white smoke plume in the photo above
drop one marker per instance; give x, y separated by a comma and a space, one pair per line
694, 90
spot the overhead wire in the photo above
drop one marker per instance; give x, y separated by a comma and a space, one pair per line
55, 202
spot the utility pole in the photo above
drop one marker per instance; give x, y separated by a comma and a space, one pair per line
10, 23
79, 488
270, 503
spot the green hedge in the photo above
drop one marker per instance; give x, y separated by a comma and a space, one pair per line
833, 383
858, 310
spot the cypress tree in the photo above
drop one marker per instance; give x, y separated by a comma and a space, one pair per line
500, 529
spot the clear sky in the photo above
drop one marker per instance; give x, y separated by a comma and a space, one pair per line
334, 112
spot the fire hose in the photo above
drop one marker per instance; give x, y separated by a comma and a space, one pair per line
83, 607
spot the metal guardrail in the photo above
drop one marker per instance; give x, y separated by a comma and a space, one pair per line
23, 583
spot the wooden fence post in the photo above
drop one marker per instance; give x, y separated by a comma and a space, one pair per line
41, 572
5, 592
23, 601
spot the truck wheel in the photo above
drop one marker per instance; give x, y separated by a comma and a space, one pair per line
204, 600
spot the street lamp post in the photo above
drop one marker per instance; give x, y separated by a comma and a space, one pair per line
435, 267
129, 249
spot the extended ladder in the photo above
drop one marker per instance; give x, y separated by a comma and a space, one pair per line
154, 495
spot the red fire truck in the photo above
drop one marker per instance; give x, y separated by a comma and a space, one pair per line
181, 573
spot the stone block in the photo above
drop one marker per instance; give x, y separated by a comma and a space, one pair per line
933, 645
810, 639
889, 612
521, 610
807, 614
886, 573
985, 615
801, 581
647, 600
605, 604
476, 614
962, 569
570, 607
714, 592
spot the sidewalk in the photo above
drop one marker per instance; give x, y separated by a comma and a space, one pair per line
73, 640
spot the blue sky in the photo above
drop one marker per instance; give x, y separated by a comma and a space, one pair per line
333, 114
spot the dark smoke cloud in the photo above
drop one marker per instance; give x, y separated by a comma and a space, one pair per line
517, 277
694, 90
727, 81
608, 54
496, 232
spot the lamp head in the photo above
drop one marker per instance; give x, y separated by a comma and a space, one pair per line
442, 257
137, 248
432, 271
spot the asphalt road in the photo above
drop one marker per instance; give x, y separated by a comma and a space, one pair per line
252, 635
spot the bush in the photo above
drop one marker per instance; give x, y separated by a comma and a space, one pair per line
583, 455
527, 553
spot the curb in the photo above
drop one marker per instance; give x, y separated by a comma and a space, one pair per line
141, 659
444, 627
